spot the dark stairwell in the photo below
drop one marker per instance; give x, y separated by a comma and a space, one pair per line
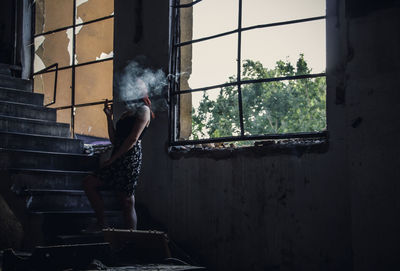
42, 168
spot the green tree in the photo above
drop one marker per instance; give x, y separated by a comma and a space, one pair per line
276, 107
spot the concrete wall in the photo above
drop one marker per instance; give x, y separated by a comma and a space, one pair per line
335, 207
6, 31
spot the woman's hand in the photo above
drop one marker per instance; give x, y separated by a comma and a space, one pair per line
108, 109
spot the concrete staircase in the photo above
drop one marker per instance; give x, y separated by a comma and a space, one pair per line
41, 167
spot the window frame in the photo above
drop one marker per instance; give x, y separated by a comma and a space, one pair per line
174, 83
54, 67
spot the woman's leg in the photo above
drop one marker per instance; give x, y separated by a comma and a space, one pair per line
129, 212
90, 185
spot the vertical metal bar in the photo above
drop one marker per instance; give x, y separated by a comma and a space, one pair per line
73, 73
55, 85
33, 27
15, 32
174, 73
169, 77
172, 33
177, 129
239, 63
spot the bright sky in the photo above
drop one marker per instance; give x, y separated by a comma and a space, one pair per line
215, 60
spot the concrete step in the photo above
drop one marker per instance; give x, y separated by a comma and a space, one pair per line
48, 200
46, 160
78, 239
40, 143
64, 227
5, 69
20, 110
15, 83
23, 179
18, 96
31, 126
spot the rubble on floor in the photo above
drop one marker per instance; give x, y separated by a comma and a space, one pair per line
121, 250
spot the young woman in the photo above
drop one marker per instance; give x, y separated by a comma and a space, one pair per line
121, 171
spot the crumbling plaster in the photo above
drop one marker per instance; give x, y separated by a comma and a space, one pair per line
331, 210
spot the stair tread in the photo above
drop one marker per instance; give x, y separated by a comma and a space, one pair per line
38, 170
14, 78
14, 82
18, 90
33, 106
34, 126
73, 236
77, 212
35, 120
62, 191
46, 152
41, 136
25, 97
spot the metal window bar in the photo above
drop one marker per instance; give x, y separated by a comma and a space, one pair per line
170, 69
73, 72
178, 82
73, 25
173, 78
251, 28
263, 80
239, 69
175, 46
73, 106
50, 69
79, 65
186, 5
154, 97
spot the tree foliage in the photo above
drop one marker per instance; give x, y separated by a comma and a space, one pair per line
276, 107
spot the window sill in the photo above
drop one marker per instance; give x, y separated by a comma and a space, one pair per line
296, 147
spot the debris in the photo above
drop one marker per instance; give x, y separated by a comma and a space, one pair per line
57, 257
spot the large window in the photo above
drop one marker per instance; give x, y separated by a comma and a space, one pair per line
74, 55
246, 70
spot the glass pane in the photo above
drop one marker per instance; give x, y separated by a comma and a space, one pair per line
257, 12
289, 106
53, 14
95, 41
213, 62
285, 50
53, 48
44, 83
222, 15
91, 121
215, 113
88, 10
94, 82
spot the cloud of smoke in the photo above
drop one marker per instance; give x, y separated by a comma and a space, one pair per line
136, 82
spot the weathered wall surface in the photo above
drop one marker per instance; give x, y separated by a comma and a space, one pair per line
373, 98
6, 31
332, 210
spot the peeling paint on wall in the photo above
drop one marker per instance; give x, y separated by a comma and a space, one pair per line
105, 55
70, 41
80, 2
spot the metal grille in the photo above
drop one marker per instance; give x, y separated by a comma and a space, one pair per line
174, 69
73, 65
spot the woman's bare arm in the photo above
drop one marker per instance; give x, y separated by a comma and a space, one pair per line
110, 125
141, 122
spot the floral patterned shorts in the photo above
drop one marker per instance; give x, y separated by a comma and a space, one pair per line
123, 174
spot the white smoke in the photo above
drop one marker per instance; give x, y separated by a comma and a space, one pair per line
136, 82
